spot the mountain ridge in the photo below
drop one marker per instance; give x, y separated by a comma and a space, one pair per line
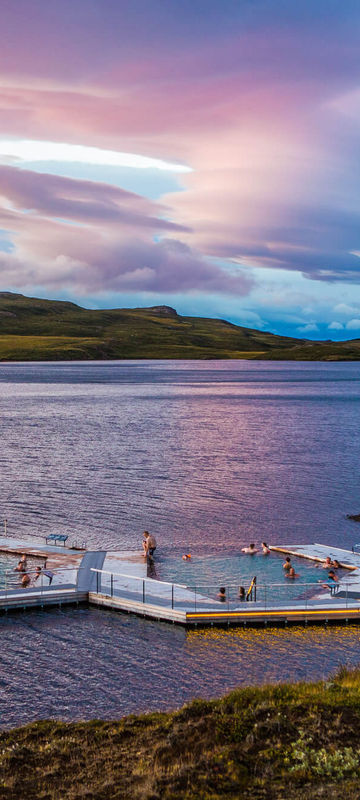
35, 329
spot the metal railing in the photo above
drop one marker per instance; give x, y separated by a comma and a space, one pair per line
39, 582
204, 596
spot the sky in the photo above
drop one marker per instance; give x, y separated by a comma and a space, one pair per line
202, 154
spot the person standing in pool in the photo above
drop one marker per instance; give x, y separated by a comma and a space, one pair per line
287, 563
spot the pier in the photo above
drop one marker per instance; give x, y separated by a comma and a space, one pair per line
119, 581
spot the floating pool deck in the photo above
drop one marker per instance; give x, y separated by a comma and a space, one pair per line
120, 581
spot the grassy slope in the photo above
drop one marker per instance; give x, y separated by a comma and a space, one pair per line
32, 329
291, 741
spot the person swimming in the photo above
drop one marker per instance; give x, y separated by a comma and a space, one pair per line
287, 563
292, 574
265, 549
327, 563
22, 564
222, 594
25, 580
251, 550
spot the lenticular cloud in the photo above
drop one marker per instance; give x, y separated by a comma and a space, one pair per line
98, 237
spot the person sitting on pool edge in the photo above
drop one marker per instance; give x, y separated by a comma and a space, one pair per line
332, 580
287, 563
149, 544
249, 550
222, 594
42, 571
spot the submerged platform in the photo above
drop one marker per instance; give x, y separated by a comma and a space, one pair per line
121, 581
319, 552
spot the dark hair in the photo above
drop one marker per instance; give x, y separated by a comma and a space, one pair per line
252, 544
241, 591
331, 572
264, 544
222, 589
287, 558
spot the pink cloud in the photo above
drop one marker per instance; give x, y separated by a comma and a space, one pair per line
254, 106
98, 237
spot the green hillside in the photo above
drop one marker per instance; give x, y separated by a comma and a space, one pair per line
297, 741
36, 330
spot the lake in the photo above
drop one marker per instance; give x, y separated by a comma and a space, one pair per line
207, 455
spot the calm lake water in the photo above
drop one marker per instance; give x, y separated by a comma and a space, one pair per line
207, 455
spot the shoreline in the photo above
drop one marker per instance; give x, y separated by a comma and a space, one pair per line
247, 741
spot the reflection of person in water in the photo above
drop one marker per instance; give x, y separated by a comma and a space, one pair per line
151, 569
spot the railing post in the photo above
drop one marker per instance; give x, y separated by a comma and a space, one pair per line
143, 591
195, 598
97, 582
172, 595
112, 585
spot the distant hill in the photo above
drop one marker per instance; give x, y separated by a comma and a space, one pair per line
54, 330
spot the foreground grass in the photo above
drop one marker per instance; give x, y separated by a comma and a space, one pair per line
291, 741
